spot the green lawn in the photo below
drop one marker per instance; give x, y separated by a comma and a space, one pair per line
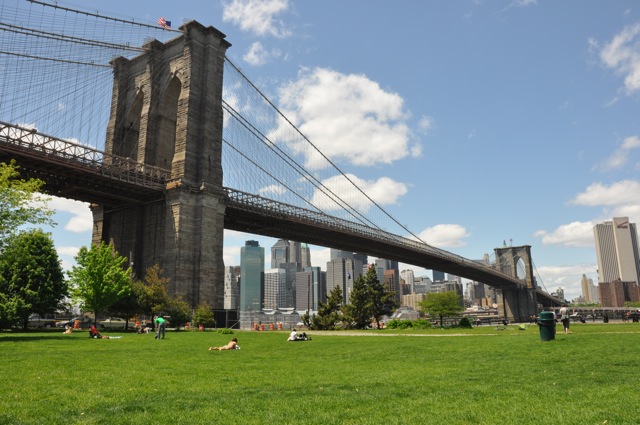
478, 376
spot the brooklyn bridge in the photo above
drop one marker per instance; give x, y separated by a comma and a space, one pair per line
184, 146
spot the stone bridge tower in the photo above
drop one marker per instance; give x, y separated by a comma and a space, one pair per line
517, 304
166, 111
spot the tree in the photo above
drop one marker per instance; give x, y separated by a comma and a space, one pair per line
11, 309
20, 202
125, 307
30, 270
152, 293
369, 300
179, 312
442, 304
203, 316
357, 314
383, 301
328, 313
99, 279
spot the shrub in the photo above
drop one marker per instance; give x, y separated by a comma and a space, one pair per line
421, 324
225, 331
465, 322
399, 324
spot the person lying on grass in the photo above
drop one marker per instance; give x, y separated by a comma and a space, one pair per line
93, 333
232, 345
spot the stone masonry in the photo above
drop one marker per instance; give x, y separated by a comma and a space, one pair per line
166, 111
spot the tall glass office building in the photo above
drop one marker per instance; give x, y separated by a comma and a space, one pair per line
617, 250
251, 276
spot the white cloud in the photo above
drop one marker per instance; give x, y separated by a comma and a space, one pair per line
348, 117
426, 124
258, 55
622, 54
619, 199
568, 278
445, 235
81, 220
231, 256
618, 193
577, 234
272, 189
257, 16
383, 191
620, 156
71, 251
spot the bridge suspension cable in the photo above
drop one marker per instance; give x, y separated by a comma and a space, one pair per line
56, 67
325, 179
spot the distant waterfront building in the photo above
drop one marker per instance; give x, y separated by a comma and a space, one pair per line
279, 253
589, 290
616, 293
304, 291
617, 251
305, 259
593, 291
342, 271
438, 276
231, 288
392, 283
409, 279
275, 281
319, 286
412, 300
252, 276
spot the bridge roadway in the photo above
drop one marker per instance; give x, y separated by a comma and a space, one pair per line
85, 174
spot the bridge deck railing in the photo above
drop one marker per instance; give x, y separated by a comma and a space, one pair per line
263, 205
32, 143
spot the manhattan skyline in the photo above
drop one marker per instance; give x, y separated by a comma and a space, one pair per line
505, 121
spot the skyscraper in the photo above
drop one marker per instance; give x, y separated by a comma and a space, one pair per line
438, 276
342, 271
251, 276
617, 250
305, 258
279, 253
275, 281
231, 288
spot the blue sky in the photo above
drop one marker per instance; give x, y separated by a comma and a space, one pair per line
476, 122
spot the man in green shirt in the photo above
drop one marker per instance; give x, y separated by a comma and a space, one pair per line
161, 327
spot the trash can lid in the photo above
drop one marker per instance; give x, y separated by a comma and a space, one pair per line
546, 315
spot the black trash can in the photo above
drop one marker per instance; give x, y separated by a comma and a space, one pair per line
547, 325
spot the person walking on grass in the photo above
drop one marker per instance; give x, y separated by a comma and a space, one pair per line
564, 318
162, 327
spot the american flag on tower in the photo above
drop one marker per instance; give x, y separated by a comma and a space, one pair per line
164, 23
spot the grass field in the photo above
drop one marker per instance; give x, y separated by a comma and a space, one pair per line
477, 376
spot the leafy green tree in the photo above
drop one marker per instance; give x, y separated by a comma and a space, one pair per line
99, 279
30, 270
383, 302
369, 300
125, 307
179, 312
152, 293
442, 304
12, 307
20, 202
357, 314
306, 319
203, 316
329, 313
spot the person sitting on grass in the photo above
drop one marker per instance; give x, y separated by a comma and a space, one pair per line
232, 345
293, 335
93, 333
